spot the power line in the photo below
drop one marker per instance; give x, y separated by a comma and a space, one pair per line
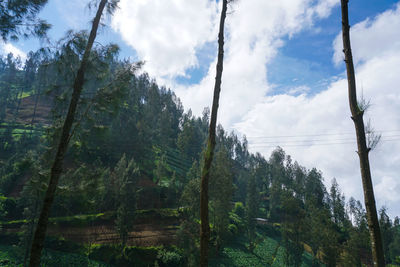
319, 134
312, 140
267, 145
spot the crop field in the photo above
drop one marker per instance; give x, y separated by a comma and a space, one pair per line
268, 252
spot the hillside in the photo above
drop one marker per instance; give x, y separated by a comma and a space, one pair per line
129, 192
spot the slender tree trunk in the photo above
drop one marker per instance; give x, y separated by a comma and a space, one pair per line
363, 150
56, 169
209, 153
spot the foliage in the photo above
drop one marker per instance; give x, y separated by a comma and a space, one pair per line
126, 178
12, 257
19, 17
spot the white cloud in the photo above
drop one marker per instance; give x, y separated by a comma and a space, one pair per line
166, 34
328, 112
7, 48
373, 37
389, 187
323, 9
254, 31
302, 89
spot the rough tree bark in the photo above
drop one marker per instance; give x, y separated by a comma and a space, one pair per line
209, 153
357, 117
56, 169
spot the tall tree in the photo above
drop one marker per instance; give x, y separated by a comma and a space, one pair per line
251, 209
387, 232
56, 169
221, 196
357, 113
209, 153
127, 174
292, 228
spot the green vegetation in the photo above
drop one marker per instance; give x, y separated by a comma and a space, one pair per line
129, 189
11, 256
267, 252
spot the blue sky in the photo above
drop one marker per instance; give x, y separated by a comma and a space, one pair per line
283, 73
305, 59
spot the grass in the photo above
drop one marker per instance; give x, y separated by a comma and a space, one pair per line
13, 256
26, 94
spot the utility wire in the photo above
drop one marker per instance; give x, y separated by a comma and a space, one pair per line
314, 144
311, 140
319, 134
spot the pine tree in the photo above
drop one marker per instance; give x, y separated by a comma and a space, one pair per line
40, 232
251, 210
127, 175
221, 196
209, 154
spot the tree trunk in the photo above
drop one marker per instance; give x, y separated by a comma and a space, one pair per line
56, 169
363, 150
209, 153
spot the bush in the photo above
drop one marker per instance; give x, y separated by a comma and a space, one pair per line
168, 258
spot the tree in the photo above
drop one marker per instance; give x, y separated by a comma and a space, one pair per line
357, 112
31, 197
56, 169
394, 247
190, 199
292, 228
7, 87
221, 196
387, 232
337, 202
357, 246
127, 175
209, 153
19, 17
251, 210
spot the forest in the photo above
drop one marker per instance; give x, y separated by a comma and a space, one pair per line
126, 166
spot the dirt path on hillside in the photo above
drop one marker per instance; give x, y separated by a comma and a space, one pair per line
142, 234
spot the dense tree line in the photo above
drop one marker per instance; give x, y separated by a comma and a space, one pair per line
142, 134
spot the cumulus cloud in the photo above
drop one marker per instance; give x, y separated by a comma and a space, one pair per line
328, 113
372, 37
166, 34
255, 30
7, 48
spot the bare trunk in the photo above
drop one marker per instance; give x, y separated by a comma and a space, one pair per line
209, 154
363, 150
40, 233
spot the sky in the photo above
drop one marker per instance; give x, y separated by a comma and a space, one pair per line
284, 80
